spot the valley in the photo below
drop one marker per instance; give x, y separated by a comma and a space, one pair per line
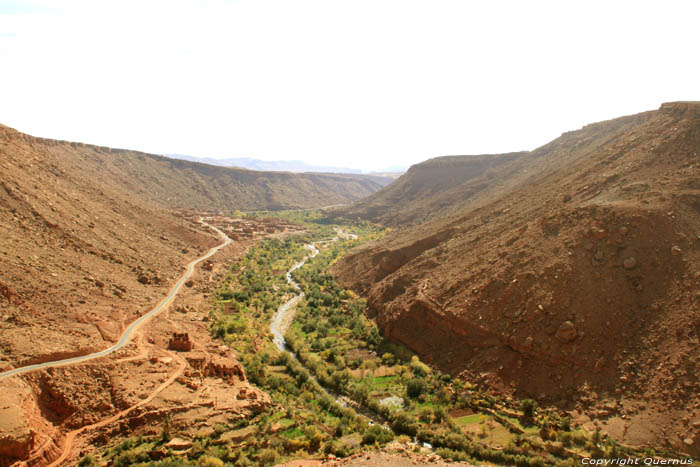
567, 274
382, 394
532, 308
349, 234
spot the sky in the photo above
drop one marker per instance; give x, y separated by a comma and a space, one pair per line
366, 84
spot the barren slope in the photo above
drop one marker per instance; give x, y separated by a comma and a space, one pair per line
80, 225
73, 249
576, 282
430, 187
88, 242
184, 184
446, 186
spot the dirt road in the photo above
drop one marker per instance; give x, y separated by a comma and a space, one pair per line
128, 333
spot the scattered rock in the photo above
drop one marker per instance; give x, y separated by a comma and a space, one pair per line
599, 364
676, 250
611, 406
144, 279
599, 257
178, 444
623, 230
566, 332
598, 233
9, 294
630, 263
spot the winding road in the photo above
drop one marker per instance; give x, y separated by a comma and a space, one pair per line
128, 333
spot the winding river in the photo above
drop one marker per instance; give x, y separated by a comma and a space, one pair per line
285, 313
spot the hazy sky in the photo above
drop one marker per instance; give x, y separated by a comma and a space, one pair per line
364, 84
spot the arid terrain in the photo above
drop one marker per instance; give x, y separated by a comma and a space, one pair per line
393, 455
92, 238
568, 274
190, 185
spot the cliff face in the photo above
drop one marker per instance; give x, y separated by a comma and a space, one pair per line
575, 280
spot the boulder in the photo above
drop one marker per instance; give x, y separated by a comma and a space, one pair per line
630, 263
178, 444
566, 332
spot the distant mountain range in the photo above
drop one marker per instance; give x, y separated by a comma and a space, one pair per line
286, 166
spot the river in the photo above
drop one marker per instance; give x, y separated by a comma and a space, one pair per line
285, 313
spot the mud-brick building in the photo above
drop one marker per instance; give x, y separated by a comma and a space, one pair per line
180, 342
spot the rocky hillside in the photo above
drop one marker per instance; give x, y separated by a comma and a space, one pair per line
74, 244
185, 184
569, 274
429, 188
444, 187
90, 240
79, 220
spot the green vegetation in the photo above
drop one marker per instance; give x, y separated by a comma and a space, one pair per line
251, 293
341, 352
345, 351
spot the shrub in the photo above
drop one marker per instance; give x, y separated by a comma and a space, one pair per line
220, 429
360, 393
124, 459
439, 415
388, 359
339, 380
405, 424
209, 461
415, 387
426, 415
456, 441
566, 438
451, 455
267, 456
377, 434
419, 368
88, 461
528, 406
